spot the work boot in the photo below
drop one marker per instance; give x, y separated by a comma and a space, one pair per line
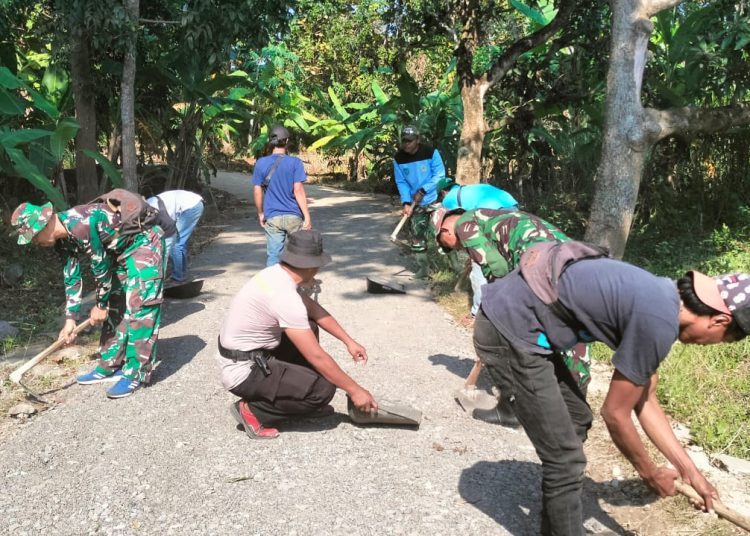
501, 414
423, 266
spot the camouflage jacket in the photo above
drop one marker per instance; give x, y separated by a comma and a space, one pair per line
495, 239
92, 230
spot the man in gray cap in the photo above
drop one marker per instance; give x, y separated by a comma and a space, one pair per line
279, 194
417, 168
269, 354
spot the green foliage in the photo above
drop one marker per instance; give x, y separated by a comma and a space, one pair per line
32, 153
709, 389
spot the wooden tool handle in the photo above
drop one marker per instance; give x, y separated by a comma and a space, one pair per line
16, 375
723, 512
399, 226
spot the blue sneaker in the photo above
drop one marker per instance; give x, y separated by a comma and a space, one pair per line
124, 387
98, 376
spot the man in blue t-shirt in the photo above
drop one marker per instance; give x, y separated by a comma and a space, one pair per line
417, 168
279, 194
638, 315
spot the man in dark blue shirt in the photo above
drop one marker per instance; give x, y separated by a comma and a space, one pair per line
520, 339
279, 194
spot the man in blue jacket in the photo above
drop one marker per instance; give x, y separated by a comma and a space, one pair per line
417, 168
473, 196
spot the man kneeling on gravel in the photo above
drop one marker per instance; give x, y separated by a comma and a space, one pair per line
560, 297
269, 354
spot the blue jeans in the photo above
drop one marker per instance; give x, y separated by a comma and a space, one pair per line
477, 280
177, 244
277, 229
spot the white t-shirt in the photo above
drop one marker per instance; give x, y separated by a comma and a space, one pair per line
261, 310
176, 201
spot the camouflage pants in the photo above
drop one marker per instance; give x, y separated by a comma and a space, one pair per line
419, 224
129, 335
578, 362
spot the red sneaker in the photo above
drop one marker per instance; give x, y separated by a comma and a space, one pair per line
242, 414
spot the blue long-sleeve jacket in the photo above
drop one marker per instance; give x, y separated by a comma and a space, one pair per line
422, 169
474, 196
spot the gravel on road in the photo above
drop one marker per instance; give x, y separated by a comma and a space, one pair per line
171, 460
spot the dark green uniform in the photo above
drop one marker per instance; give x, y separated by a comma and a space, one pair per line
133, 295
495, 239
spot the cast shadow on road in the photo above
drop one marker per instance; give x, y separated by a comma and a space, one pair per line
311, 425
460, 366
176, 310
175, 352
509, 492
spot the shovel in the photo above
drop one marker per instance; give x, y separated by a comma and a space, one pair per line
379, 285
184, 291
17, 374
388, 413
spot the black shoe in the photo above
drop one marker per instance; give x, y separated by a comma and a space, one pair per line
497, 415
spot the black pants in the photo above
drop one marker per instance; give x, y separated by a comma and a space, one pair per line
293, 388
553, 412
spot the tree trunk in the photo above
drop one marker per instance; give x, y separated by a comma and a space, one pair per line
85, 105
629, 130
127, 101
469, 159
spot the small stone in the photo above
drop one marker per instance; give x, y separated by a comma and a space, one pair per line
12, 274
7, 329
22, 410
734, 465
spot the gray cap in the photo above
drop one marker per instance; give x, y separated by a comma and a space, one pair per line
278, 133
410, 132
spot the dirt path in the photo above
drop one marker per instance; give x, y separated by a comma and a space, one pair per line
170, 460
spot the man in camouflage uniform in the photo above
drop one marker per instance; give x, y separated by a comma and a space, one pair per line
496, 239
129, 304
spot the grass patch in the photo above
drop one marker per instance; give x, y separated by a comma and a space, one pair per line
708, 388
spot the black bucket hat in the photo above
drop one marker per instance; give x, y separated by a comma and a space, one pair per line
304, 249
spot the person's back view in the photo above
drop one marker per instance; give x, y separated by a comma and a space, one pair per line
279, 194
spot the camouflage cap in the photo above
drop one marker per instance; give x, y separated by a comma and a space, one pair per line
28, 219
445, 183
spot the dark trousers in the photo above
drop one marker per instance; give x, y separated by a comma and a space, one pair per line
553, 412
293, 388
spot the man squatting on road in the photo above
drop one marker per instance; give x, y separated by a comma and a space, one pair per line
129, 304
520, 340
495, 241
269, 354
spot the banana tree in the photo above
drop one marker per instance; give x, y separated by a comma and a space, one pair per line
32, 153
370, 129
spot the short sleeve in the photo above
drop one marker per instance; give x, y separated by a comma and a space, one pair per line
290, 311
299, 171
645, 343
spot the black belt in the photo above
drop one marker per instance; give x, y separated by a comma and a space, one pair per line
240, 355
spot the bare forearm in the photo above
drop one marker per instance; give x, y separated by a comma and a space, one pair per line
330, 370
628, 441
299, 195
325, 320
657, 428
258, 198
